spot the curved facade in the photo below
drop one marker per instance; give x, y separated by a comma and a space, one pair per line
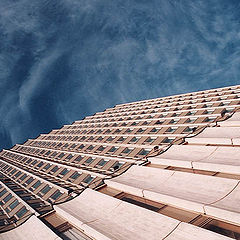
165, 168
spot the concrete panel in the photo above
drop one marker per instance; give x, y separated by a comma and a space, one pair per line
228, 208
234, 121
33, 228
184, 190
189, 232
220, 132
105, 217
205, 141
210, 158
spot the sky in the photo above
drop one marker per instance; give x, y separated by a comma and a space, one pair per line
62, 60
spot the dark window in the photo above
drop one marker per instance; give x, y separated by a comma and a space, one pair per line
37, 184
126, 151
47, 166
29, 181
112, 149
55, 169
78, 159
13, 204
143, 152
21, 212
75, 175
102, 162
64, 171
46, 189
7, 198
56, 195
88, 179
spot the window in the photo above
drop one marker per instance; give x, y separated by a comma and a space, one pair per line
81, 146
7, 198
28, 181
127, 151
56, 195
60, 155
65, 145
174, 120
73, 146
54, 169
40, 164
91, 147
59, 145
75, 175
121, 139
191, 120
116, 165
54, 154
46, 189
17, 174
102, 162
89, 160
89, 179
140, 130
70, 156
188, 129
110, 139
21, 212
3, 192
12, 172
36, 185
112, 149
47, 166
128, 130
168, 140
143, 152
171, 130
23, 176
101, 148
13, 204
209, 111
78, 159
154, 130
149, 140
134, 139
209, 119
191, 113
64, 172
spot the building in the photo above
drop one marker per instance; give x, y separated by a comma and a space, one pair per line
165, 168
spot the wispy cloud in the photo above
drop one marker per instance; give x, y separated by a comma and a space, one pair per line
63, 60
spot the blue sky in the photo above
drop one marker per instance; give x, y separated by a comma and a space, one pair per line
61, 60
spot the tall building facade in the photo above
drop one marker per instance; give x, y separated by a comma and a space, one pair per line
165, 168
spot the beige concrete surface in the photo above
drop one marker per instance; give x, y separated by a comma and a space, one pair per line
32, 229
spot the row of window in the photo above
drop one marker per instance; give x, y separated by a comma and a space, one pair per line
78, 160
95, 149
222, 93
9, 203
106, 139
150, 120
28, 181
168, 107
132, 129
155, 115
46, 168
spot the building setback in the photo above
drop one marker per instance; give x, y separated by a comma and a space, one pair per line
165, 168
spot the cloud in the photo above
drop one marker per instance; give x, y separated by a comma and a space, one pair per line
63, 60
